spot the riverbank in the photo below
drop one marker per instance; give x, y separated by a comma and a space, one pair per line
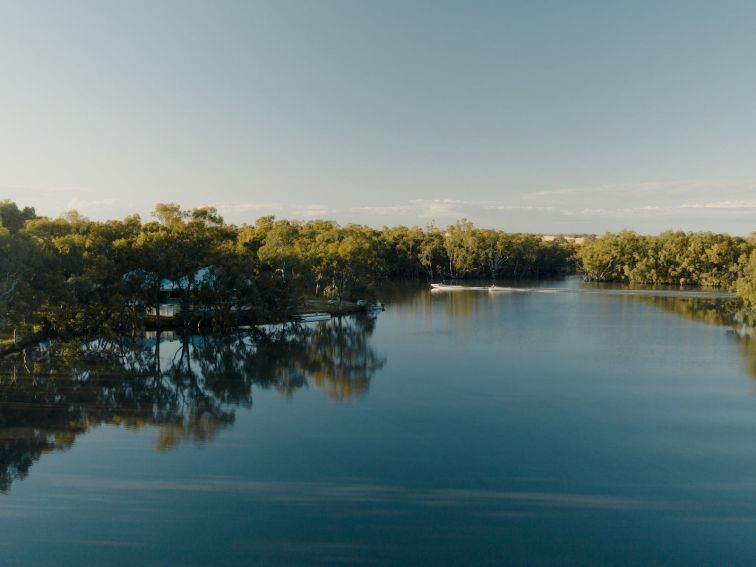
202, 321
203, 318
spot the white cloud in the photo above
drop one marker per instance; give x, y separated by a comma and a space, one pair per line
61, 190
243, 207
649, 206
656, 205
313, 211
722, 205
91, 205
419, 209
440, 208
656, 189
40, 190
661, 194
646, 210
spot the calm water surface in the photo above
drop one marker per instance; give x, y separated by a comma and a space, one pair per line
454, 428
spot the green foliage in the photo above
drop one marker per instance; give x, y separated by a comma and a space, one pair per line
12, 218
74, 276
746, 286
672, 258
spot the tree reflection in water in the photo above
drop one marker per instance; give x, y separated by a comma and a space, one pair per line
188, 387
712, 312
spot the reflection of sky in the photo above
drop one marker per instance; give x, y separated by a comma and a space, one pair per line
189, 389
527, 428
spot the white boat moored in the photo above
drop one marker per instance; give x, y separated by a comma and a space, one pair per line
313, 317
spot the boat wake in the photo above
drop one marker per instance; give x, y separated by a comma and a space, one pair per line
690, 294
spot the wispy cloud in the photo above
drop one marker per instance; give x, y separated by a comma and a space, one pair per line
445, 209
440, 208
314, 210
646, 210
649, 206
652, 206
654, 189
91, 205
722, 205
246, 207
62, 190
382, 210
656, 205
41, 190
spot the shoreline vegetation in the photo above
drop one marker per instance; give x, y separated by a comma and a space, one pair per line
182, 269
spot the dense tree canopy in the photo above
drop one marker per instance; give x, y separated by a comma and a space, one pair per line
671, 258
746, 286
73, 276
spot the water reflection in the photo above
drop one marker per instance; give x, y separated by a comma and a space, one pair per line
713, 312
710, 307
187, 387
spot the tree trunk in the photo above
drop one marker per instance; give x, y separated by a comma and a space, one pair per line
157, 311
25, 343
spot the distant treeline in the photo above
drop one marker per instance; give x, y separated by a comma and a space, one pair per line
71, 275
673, 258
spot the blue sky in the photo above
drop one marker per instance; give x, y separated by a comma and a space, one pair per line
543, 116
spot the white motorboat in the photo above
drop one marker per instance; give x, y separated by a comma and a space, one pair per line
447, 287
455, 287
313, 317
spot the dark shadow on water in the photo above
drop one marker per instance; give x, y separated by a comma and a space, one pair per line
187, 387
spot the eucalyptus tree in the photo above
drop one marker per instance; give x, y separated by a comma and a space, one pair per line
432, 252
177, 248
12, 218
461, 248
400, 248
16, 260
279, 247
497, 250
746, 287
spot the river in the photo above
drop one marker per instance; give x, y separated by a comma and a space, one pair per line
464, 427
